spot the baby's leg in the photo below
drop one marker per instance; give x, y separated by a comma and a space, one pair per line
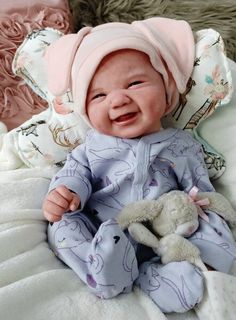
215, 242
105, 260
174, 287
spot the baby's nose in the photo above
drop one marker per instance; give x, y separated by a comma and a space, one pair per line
118, 98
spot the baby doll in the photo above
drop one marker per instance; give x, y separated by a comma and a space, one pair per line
124, 78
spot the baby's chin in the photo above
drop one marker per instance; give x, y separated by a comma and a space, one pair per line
125, 134
120, 135
136, 133
128, 131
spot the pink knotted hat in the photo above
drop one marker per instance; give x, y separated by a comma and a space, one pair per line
73, 59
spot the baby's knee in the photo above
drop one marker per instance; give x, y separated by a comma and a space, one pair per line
174, 287
193, 284
119, 268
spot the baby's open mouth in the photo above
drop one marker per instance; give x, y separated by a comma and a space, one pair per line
126, 117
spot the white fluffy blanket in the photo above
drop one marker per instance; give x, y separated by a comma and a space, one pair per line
35, 285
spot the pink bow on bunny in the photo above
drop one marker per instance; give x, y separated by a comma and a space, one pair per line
199, 203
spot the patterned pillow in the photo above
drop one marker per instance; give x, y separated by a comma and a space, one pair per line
209, 88
46, 138
220, 131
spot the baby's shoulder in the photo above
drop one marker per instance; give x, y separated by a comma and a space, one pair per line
184, 137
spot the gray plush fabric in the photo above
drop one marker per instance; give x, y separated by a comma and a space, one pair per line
219, 15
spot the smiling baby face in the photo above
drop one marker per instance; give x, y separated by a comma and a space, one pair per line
126, 97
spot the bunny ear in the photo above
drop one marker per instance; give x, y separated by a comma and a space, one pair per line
143, 235
139, 211
174, 44
59, 58
219, 204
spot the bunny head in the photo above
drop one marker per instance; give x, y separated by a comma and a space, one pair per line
178, 215
173, 212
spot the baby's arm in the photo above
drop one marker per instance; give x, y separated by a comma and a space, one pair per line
194, 172
59, 201
70, 187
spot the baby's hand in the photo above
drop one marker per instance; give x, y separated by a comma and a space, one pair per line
59, 201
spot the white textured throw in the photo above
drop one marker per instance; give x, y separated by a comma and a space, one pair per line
35, 285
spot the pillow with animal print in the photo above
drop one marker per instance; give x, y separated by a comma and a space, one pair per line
220, 131
209, 87
47, 137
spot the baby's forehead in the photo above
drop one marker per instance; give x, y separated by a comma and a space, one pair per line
121, 64
123, 54
126, 60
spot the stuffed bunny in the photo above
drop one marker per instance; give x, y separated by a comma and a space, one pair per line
173, 216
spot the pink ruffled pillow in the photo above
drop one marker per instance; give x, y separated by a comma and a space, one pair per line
17, 18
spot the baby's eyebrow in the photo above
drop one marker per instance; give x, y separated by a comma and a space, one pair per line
135, 73
95, 90
129, 76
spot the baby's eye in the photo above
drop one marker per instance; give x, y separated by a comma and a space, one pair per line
134, 83
99, 95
